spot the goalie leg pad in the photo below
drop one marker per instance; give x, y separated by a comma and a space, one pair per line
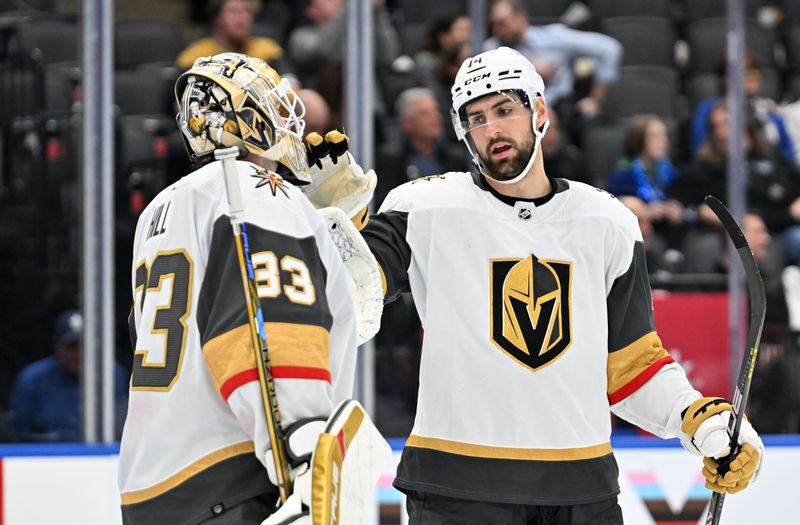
347, 462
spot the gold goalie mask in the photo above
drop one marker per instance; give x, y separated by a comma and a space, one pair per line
236, 100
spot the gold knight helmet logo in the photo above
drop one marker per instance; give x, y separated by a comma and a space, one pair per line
531, 309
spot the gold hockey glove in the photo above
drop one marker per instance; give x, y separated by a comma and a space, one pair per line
704, 432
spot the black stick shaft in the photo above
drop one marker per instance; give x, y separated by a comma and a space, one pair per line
758, 308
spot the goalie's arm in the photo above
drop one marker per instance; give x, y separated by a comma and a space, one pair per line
298, 323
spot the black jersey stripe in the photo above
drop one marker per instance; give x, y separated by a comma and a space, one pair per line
630, 304
385, 234
221, 305
221, 486
526, 482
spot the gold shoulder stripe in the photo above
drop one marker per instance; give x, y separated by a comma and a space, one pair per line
138, 496
627, 363
529, 454
289, 344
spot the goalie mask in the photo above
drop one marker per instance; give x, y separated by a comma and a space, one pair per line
235, 100
506, 72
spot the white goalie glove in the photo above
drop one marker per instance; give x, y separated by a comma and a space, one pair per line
336, 179
301, 438
364, 277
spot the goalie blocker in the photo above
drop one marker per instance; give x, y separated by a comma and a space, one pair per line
347, 460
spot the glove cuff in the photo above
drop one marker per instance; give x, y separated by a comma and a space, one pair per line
700, 410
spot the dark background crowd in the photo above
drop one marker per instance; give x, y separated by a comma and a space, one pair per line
636, 95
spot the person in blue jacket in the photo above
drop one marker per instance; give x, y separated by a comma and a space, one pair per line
647, 174
761, 110
45, 399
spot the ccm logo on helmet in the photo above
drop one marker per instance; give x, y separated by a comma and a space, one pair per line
475, 79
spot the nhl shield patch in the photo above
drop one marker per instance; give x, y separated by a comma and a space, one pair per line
531, 318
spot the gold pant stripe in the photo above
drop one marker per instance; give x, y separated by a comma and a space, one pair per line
138, 496
531, 454
289, 344
627, 363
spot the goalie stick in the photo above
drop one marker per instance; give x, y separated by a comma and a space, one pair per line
255, 316
758, 308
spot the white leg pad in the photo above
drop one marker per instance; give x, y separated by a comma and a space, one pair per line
348, 459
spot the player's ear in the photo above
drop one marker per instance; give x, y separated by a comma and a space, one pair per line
540, 107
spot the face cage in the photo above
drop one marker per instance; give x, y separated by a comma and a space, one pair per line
286, 111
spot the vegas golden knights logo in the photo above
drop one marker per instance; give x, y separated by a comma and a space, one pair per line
531, 318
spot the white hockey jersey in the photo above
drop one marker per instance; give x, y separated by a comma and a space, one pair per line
195, 437
537, 320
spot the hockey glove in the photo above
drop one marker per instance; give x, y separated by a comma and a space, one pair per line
300, 439
336, 179
704, 432
364, 274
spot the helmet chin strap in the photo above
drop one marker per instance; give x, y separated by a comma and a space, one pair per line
538, 134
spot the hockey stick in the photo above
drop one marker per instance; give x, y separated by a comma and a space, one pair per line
255, 316
758, 308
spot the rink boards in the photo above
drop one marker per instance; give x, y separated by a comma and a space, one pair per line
661, 484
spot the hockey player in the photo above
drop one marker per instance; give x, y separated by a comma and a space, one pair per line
195, 444
536, 305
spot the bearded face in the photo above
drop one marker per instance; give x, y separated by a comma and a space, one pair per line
504, 158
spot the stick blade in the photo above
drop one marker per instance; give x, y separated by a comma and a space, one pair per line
728, 221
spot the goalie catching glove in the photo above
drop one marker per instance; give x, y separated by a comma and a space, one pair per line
336, 179
704, 432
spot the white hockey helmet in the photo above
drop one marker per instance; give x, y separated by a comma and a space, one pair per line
232, 99
496, 71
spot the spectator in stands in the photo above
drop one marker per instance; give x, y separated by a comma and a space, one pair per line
773, 183
646, 173
763, 112
45, 398
655, 248
447, 65
231, 26
318, 113
552, 49
322, 40
563, 159
447, 31
422, 150
774, 392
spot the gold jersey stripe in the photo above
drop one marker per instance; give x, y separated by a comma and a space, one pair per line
138, 496
489, 452
361, 218
627, 363
384, 284
289, 344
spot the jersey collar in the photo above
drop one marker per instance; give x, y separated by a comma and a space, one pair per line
556, 186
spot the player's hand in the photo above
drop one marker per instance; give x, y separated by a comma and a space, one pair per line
704, 432
296, 509
336, 179
300, 440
